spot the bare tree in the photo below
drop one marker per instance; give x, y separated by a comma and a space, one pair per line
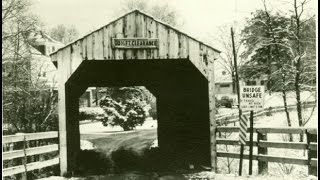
226, 57
64, 34
29, 104
161, 12
129, 5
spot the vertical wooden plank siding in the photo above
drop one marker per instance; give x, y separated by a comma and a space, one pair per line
157, 53
129, 32
151, 32
105, 43
140, 31
110, 36
118, 33
89, 44
213, 125
154, 34
163, 38
98, 45
172, 43
76, 56
84, 48
62, 117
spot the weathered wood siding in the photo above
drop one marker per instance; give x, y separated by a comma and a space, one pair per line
97, 45
173, 45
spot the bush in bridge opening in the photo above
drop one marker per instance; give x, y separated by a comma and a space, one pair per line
126, 113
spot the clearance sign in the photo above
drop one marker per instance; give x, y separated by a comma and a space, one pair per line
251, 97
135, 43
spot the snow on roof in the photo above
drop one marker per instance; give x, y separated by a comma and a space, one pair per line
41, 36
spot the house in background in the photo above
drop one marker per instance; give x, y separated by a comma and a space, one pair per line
261, 81
37, 72
37, 65
259, 76
46, 69
224, 84
223, 80
42, 67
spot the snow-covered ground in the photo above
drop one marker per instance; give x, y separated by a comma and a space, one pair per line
97, 127
86, 145
275, 99
279, 119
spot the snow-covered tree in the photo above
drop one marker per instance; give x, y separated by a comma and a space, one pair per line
125, 109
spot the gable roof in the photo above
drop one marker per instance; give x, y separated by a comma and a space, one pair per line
145, 14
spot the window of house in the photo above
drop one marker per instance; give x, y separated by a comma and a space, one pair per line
251, 83
224, 85
42, 49
44, 74
224, 72
39, 74
53, 49
262, 82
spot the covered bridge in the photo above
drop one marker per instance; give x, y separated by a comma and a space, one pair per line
137, 50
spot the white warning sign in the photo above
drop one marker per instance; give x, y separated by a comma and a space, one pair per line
251, 97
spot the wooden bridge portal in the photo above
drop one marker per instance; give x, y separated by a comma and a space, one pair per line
137, 50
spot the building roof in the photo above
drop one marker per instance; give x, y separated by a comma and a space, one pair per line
41, 37
145, 14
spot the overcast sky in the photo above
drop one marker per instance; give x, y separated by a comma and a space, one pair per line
200, 17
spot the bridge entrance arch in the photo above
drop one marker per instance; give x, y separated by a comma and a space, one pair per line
137, 50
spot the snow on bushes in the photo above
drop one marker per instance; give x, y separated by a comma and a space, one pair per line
126, 114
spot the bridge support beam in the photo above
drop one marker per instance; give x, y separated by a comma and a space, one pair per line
69, 134
183, 122
212, 112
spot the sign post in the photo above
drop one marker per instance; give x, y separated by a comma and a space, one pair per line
251, 98
251, 143
242, 138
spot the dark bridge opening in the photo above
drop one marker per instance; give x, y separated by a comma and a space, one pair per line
182, 104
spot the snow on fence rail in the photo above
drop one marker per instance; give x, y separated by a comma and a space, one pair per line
262, 144
234, 117
25, 152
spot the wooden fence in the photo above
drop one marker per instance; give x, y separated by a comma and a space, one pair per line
263, 144
25, 152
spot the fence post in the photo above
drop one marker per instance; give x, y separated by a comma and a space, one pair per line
269, 111
262, 165
219, 124
24, 160
311, 137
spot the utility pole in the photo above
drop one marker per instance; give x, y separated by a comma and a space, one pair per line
238, 93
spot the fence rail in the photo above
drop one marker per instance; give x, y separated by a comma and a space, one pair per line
263, 144
25, 152
234, 117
